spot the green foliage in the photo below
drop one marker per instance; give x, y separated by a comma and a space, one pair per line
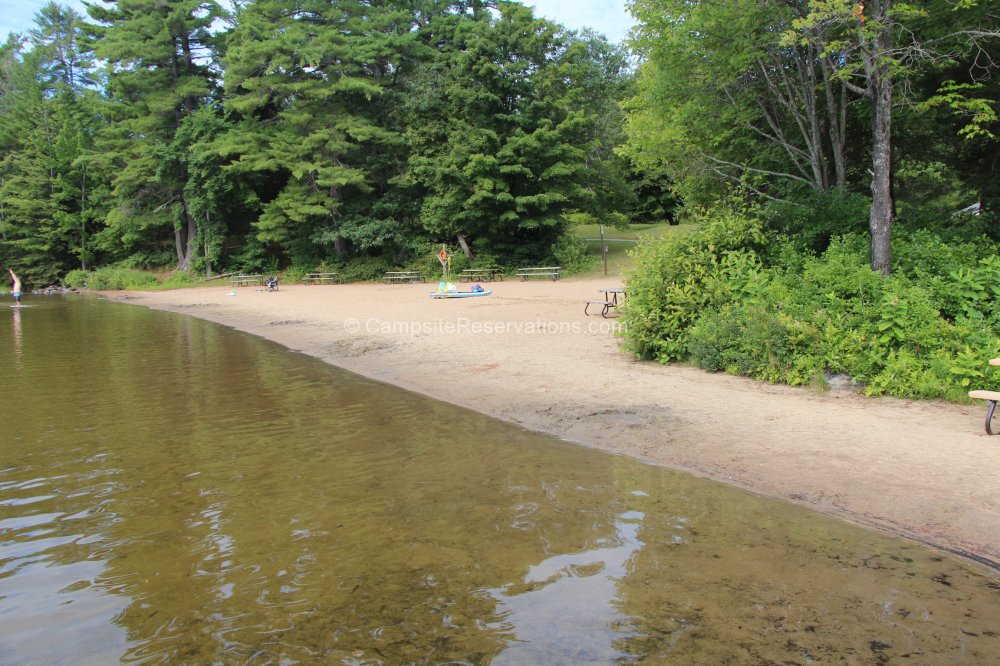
968, 368
907, 375
364, 269
502, 150
571, 253
814, 219
753, 341
961, 276
253, 257
298, 273
109, 278
680, 276
925, 332
977, 112
978, 287
75, 279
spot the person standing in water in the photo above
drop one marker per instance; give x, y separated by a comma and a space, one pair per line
17, 286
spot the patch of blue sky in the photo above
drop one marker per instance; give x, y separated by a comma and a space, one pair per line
608, 17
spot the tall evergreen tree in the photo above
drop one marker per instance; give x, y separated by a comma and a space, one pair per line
304, 79
46, 127
64, 48
161, 57
496, 141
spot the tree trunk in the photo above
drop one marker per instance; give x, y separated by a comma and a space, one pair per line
179, 247
205, 241
83, 221
465, 247
880, 219
836, 103
882, 211
184, 238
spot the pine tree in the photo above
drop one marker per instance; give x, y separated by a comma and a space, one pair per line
160, 55
497, 143
304, 79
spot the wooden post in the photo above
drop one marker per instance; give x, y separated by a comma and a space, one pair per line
604, 250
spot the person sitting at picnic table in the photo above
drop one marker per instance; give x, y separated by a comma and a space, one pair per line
271, 283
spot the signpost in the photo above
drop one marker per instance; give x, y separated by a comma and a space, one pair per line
604, 250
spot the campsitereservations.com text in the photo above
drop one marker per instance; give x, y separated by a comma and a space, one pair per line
463, 326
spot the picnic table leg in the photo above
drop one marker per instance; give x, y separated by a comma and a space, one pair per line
989, 416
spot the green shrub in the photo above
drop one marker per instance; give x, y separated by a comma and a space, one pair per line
364, 269
76, 279
840, 280
571, 253
716, 297
680, 276
296, 273
110, 278
252, 257
956, 274
906, 319
755, 342
175, 280
906, 375
816, 218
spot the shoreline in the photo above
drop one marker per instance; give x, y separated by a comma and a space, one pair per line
528, 355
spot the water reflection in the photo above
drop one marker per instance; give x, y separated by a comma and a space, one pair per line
175, 492
564, 610
16, 319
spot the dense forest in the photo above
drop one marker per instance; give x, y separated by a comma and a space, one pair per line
176, 133
838, 161
273, 133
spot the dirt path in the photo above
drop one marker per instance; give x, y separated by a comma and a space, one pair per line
528, 354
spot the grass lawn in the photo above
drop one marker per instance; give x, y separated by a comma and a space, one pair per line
620, 242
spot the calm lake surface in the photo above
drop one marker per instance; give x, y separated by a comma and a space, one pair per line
175, 492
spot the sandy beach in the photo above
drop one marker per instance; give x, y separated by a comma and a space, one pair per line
529, 355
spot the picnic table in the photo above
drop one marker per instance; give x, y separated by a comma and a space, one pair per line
246, 280
991, 398
609, 303
399, 277
539, 271
481, 275
320, 278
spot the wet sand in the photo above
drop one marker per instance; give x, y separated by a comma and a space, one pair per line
529, 355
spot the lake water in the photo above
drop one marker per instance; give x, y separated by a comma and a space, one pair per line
175, 492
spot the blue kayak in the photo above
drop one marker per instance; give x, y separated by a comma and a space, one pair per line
460, 294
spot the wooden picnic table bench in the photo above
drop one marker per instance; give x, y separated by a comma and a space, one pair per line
481, 274
539, 271
321, 278
399, 277
246, 280
609, 303
991, 398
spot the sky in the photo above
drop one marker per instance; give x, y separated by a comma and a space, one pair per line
605, 16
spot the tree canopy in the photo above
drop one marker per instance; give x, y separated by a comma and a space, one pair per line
783, 98
293, 132
281, 133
